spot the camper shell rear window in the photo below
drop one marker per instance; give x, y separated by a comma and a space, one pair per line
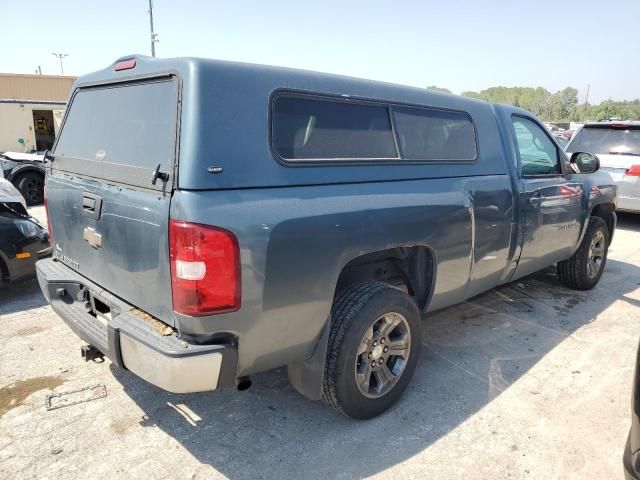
120, 131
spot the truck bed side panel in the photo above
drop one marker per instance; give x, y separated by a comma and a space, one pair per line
294, 243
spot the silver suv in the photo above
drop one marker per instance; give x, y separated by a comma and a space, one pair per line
617, 144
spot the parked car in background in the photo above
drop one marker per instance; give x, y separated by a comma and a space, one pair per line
23, 241
566, 134
631, 457
9, 193
330, 215
26, 171
617, 145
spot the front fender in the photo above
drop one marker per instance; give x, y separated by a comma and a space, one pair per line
601, 196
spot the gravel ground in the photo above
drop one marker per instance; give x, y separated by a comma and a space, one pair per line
530, 380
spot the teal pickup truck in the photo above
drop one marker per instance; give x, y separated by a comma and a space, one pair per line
211, 220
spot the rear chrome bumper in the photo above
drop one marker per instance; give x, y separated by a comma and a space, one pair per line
131, 342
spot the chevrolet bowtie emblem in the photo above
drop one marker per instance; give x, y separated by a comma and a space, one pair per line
90, 235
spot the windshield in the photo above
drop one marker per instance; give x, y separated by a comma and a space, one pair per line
611, 140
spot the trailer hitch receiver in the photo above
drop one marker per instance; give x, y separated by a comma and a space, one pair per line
89, 352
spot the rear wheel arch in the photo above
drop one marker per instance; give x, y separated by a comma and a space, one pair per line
411, 268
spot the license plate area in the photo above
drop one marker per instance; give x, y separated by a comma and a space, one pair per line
78, 296
99, 309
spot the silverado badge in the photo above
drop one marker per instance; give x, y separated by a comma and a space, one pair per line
94, 239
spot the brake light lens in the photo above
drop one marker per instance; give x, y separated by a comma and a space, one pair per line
125, 65
46, 209
205, 269
634, 171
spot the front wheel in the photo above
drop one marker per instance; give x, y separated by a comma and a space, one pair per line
374, 345
583, 270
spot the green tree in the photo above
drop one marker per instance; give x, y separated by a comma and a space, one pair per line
470, 94
566, 103
560, 106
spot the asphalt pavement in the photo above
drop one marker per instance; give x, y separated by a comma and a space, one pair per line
530, 380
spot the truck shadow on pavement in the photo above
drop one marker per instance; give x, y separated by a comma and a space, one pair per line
471, 354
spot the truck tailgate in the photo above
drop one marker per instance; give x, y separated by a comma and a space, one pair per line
109, 219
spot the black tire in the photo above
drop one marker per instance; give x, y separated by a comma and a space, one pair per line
354, 311
31, 186
575, 272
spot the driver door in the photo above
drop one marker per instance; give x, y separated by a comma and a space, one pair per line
551, 205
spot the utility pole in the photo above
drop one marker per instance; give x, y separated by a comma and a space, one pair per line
154, 36
60, 57
586, 102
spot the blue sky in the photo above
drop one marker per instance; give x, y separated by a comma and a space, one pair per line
458, 44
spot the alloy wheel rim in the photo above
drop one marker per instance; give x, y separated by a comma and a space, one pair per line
382, 355
596, 254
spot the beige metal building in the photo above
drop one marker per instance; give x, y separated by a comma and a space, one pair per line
31, 109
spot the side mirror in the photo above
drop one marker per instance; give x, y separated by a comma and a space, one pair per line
585, 162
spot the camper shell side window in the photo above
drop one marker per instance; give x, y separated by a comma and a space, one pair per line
308, 128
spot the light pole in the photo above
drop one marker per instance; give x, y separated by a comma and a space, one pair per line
60, 57
586, 103
154, 36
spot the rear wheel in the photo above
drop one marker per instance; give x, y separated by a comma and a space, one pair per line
31, 186
374, 345
583, 270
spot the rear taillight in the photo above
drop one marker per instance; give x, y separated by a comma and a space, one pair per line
46, 209
634, 171
205, 269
